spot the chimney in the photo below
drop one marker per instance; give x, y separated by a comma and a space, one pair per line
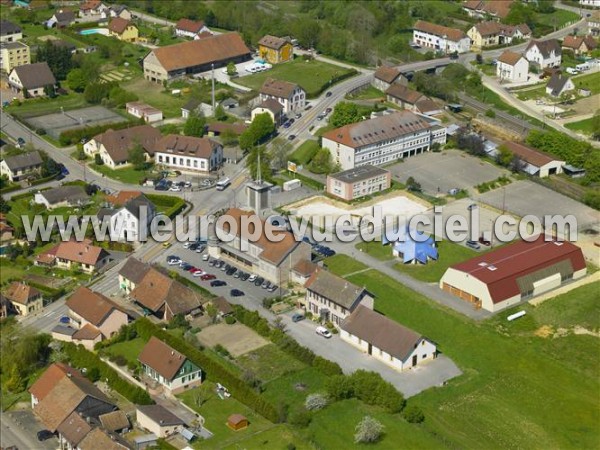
69, 374
88, 419
172, 353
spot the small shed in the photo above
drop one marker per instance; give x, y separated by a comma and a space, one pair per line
237, 422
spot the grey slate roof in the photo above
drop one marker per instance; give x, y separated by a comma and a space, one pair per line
72, 194
23, 161
134, 206
191, 105
557, 83
381, 332
334, 288
134, 270
7, 27
160, 415
359, 174
35, 75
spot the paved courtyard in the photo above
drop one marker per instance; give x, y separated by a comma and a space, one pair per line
526, 197
446, 170
237, 339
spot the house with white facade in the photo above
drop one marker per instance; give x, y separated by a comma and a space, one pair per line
72, 255
544, 53
332, 298
24, 298
534, 162
290, 95
32, 80
62, 196
158, 420
559, 84
19, 167
383, 139
144, 111
188, 153
271, 107
130, 221
512, 67
169, 368
190, 28
439, 38
114, 147
386, 340
385, 76
92, 9
590, 3
10, 32
492, 33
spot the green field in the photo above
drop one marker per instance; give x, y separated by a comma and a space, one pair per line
584, 126
129, 349
589, 81
269, 363
368, 93
38, 107
305, 152
126, 174
518, 390
312, 76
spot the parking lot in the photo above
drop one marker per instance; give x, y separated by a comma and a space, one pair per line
446, 170
526, 197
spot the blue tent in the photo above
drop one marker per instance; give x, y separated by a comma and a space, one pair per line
420, 250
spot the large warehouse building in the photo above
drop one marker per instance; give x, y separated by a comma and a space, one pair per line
503, 277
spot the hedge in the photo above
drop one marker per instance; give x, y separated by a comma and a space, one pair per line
213, 369
51, 294
174, 205
45, 179
71, 137
80, 357
8, 189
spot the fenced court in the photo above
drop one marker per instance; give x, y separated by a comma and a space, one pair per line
54, 124
237, 339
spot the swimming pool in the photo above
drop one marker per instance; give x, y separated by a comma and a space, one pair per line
103, 31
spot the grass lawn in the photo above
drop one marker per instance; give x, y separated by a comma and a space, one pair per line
531, 93
129, 349
584, 126
557, 18
269, 363
544, 390
277, 437
287, 388
154, 95
310, 75
376, 250
38, 107
589, 81
305, 152
369, 93
216, 411
343, 265
449, 254
126, 174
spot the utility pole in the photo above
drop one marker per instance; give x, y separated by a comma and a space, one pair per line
213, 87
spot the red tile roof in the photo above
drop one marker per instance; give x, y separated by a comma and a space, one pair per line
500, 269
273, 42
510, 58
92, 306
79, 252
176, 144
404, 94
191, 26
21, 293
161, 357
387, 74
529, 155
118, 25
122, 197
52, 375
278, 88
453, 34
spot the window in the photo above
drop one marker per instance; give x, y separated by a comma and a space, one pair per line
424, 356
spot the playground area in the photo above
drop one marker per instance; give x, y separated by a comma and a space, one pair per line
54, 124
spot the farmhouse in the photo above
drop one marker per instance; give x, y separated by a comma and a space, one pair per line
497, 9
358, 182
383, 139
385, 76
491, 33
386, 340
190, 28
513, 273
114, 146
558, 85
580, 45
512, 67
440, 38
189, 153
332, 298
535, 162
264, 257
275, 49
72, 254
25, 299
10, 32
169, 368
158, 420
291, 96
62, 196
123, 30
13, 54
411, 100
544, 53
173, 61
32, 80
19, 167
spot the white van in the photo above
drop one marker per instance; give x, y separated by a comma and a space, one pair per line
572, 70
583, 66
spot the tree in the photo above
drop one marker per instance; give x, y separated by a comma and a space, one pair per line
137, 157
265, 163
413, 414
231, 69
98, 159
504, 156
345, 113
58, 58
596, 126
77, 80
321, 162
229, 138
220, 114
212, 312
194, 126
201, 396
413, 185
479, 58
368, 430
516, 164
280, 149
4, 205
95, 92
278, 324
315, 402
259, 130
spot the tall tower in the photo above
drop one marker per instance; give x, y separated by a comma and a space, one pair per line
258, 192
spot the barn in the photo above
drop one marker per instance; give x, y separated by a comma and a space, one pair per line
501, 278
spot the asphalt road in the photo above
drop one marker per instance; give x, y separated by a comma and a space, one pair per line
19, 428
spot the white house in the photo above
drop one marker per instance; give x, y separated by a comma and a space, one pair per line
291, 96
272, 107
190, 28
158, 420
383, 139
534, 162
512, 67
386, 340
544, 53
62, 196
558, 85
440, 38
31, 79
169, 368
144, 111
332, 298
19, 167
590, 3
131, 221
188, 153
10, 32
92, 9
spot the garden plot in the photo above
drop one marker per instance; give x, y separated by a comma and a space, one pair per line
237, 339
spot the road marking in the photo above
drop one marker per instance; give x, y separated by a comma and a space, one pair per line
202, 212
152, 252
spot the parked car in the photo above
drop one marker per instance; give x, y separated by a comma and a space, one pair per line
291, 137
198, 273
44, 435
65, 319
238, 274
193, 246
217, 283
205, 257
200, 248
208, 276
259, 281
322, 331
236, 293
231, 271
265, 284
244, 276
328, 110
252, 278
173, 260
175, 188
473, 245
298, 115
307, 107
297, 317
20, 142
186, 267
273, 288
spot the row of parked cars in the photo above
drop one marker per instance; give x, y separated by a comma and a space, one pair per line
319, 249
233, 271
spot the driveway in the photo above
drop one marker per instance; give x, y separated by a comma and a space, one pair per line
19, 428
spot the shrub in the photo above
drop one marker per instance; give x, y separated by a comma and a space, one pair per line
368, 430
98, 159
300, 418
327, 367
315, 402
120, 360
221, 350
490, 113
413, 414
230, 320
339, 387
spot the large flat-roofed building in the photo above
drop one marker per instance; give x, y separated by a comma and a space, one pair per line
504, 277
173, 61
358, 182
383, 140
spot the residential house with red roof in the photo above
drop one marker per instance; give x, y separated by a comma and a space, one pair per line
268, 258
580, 45
512, 67
439, 38
544, 53
385, 76
190, 28
25, 299
169, 368
386, 340
275, 49
488, 9
92, 9
72, 254
186, 58
491, 33
123, 30
514, 273
290, 95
